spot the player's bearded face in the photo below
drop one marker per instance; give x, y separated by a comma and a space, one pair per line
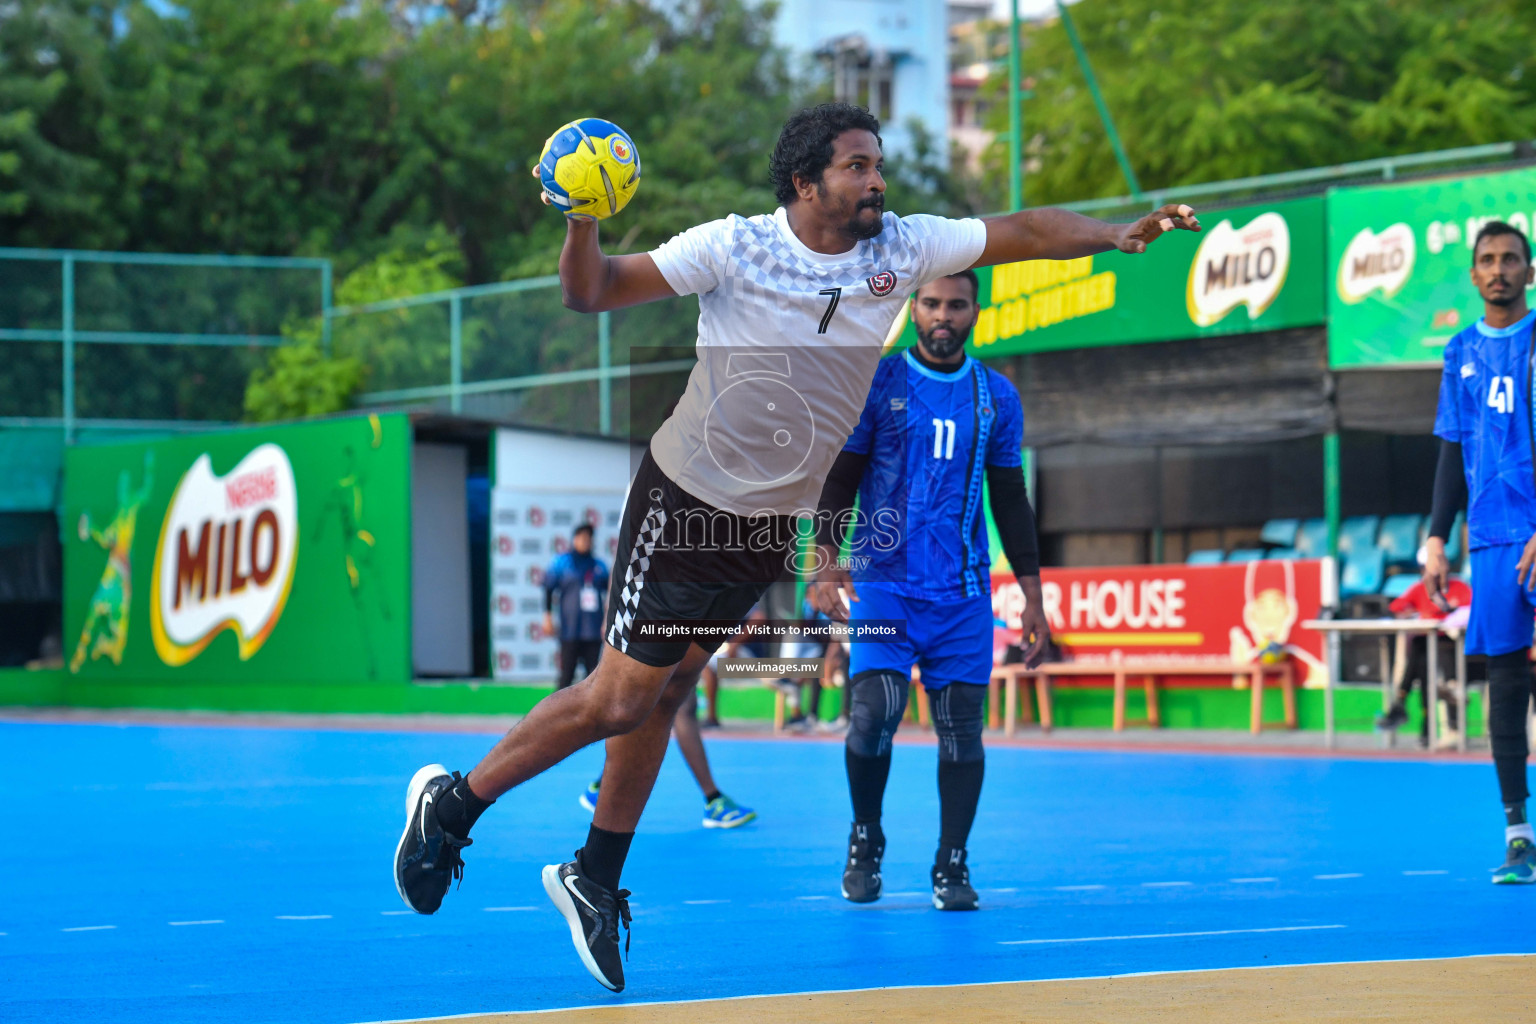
943, 339
860, 213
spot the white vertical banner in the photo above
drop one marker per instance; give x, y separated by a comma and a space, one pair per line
529, 528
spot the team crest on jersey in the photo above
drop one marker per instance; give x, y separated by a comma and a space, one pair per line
882, 284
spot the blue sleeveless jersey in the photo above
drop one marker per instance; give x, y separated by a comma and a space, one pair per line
921, 529
1485, 405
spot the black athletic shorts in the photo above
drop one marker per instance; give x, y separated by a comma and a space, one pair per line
681, 561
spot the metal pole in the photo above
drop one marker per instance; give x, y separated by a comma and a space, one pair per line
1015, 114
1098, 100
325, 308
68, 333
1331, 490
605, 381
456, 353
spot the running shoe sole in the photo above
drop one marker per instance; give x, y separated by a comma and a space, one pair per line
562, 900
1510, 878
413, 791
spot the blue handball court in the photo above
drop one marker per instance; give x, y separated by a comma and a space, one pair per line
220, 873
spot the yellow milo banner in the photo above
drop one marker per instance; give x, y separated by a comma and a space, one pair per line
275, 554
1253, 268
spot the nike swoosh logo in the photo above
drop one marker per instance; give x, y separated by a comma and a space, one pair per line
570, 885
426, 803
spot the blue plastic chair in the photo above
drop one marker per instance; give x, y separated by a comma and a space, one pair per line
1312, 538
1205, 556
1397, 586
1358, 533
1364, 572
1247, 555
1283, 554
1400, 539
1280, 533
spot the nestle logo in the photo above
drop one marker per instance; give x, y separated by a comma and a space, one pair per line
251, 488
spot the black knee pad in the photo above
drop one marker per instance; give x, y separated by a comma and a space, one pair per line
1509, 694
957, 718
878, 699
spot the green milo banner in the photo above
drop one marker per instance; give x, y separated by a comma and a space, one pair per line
268, 555
1253, 268
1400, 256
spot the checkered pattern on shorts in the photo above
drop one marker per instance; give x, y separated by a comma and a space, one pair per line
634, 577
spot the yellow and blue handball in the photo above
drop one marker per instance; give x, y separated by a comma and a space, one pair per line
590, 169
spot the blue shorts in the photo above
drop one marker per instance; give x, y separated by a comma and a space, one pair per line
1502, 610
949, 640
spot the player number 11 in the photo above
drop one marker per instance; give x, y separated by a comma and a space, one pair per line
1501, 395
943, 439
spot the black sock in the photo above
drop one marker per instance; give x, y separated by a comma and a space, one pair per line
959, 792
866, 784
1514, 814
459, 808
602, 859
711, 796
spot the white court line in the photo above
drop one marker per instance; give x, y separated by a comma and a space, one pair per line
503, 910
90, 928
702, 903
482, 1014
1247, 881
1346, 874
1077, 888
178, 924
907, 894
1163, 885
1010, 888
1173, 935
810, 897
395, 913
303, 917
1436, 871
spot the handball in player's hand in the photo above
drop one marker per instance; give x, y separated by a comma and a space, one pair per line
590, 169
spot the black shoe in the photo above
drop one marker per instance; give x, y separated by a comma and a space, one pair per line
861, 876
427, 859
1393, 717
594, 914
952, 886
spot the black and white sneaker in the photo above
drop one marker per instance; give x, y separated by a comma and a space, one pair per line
594, 914
952, 884
861, 875
427, 859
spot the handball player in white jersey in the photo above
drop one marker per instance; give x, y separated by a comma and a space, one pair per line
794, 309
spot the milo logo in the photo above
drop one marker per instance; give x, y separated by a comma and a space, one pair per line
226, 555
1239, 266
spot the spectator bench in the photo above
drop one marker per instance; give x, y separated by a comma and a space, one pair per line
1120, 671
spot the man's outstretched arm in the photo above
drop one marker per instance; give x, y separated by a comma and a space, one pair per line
591, 282
1048, 234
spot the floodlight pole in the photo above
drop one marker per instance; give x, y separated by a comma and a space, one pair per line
1015, 115
1098, 99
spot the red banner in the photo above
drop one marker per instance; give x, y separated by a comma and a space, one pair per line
1201, 614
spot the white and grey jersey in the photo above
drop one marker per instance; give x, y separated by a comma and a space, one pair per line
788, 342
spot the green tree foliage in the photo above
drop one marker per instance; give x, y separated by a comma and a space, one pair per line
1205, 92
300, 380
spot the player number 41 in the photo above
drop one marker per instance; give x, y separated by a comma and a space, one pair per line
1501, 395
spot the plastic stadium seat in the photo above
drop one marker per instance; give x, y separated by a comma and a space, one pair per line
1397, 586
1280, 532
1283, 554
1358, 533
1399, 538
1364, 572
1312, 538
1205, 556
1247, 555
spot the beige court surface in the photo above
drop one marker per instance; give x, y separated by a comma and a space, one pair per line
1473, 990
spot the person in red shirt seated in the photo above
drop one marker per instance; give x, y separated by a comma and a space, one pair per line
1418, 603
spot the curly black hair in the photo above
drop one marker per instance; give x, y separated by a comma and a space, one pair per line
805, 144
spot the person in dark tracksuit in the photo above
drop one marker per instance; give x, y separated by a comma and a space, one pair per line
578, 580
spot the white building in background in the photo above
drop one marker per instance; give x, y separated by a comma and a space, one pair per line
891, 56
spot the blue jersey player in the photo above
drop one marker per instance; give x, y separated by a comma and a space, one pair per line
1485, 424
935, 427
